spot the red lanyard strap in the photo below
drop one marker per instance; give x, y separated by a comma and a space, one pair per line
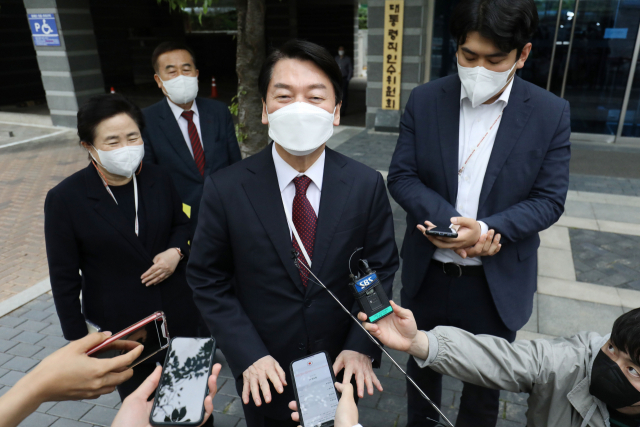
478, 146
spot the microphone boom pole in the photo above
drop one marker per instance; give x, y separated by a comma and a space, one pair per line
319, 282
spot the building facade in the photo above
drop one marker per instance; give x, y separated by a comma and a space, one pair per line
65, 51
585, 51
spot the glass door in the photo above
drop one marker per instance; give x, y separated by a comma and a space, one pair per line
629, 125
542, 59
600, 63
583, 52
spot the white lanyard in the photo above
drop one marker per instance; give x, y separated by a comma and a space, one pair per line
135, 195
295, 234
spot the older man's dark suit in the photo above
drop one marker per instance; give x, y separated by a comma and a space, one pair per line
245, 282
523, 193
164, 145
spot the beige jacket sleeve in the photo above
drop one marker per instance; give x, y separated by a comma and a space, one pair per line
495, 363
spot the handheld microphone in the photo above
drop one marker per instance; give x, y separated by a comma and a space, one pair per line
302, 267
368, 291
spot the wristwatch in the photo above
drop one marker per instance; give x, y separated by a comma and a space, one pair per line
180, 253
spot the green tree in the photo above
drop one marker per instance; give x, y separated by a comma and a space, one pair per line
250, 54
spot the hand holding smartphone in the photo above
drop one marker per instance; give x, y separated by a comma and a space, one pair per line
442, 232
314, 389
183, 385
151, 332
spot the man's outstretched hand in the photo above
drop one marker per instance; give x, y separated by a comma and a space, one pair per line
358, 365
399, 332
256, 378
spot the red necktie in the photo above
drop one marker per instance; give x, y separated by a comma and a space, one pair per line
198, 153
304, 219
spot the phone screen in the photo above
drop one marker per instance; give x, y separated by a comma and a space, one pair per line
153, 336
316, 393
183, 386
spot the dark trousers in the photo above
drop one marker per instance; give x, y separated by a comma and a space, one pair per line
140, 373
256, 419
345, 96
465, 303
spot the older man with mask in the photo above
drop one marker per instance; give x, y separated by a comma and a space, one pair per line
189, 136
263, 311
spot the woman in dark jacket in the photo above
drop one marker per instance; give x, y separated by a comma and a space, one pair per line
116, 231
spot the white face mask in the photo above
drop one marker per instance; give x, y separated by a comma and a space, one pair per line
121, 161
482, 84
300, 128
182, 89
341, 52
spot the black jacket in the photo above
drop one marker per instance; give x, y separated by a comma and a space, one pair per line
164, 145
92, 248
244, 280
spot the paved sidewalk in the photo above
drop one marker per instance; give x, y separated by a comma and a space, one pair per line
27, 172
606, 258
576, 291
608, 185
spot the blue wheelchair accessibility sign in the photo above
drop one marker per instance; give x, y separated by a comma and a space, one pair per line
44, 29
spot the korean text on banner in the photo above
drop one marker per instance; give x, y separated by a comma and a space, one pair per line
392, 54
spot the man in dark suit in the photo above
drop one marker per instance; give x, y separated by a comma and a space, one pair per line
189, 137
346, 68
488, 152
263, 311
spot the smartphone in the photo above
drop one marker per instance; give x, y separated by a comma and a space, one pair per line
152, 332
314, 389
442, 232
92, 327
179, 399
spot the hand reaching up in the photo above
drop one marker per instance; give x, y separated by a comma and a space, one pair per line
398, 331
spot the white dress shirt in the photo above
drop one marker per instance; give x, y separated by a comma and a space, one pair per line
286, 174
184, 124
474, 123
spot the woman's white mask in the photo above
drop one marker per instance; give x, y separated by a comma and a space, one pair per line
121, 161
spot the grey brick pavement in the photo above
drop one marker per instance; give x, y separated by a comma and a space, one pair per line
376, 149
372, 149
21, 349
32, 332
606, 258
604, 184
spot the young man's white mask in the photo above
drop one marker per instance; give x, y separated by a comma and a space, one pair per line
482, 84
